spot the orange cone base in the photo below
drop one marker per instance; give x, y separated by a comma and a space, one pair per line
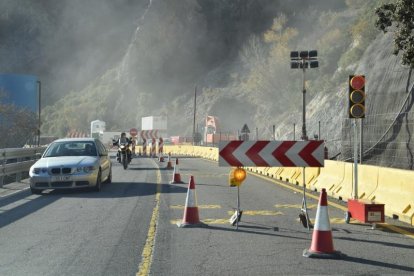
169, 166
161, 159
176, 179
191, 218
322, 255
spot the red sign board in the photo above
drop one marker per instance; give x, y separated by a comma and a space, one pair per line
133, 132
271, 154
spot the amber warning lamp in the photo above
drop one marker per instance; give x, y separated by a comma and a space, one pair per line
236, 177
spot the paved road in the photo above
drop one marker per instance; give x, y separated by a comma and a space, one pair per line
79, 232
110, 233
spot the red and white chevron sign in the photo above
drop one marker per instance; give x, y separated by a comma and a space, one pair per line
149, 134
271, 153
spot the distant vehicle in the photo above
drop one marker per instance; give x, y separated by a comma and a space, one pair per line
71, 163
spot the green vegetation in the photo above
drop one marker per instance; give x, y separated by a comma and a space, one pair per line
399, 17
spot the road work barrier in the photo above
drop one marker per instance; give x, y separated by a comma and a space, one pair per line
392, 187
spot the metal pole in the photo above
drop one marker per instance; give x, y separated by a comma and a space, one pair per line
355, 160
39, 122
361, 144
195, 99
304, 136
294, 132
274, 133
238, 207
319, 130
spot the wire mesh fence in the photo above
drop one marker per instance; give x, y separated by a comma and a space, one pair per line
386, 140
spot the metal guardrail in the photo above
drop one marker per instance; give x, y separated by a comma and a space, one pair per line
15, 161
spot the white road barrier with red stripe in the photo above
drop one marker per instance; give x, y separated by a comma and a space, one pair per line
271, 153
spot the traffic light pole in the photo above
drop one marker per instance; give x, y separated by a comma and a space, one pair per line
355, 188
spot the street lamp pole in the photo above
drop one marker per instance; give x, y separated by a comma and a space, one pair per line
304, 136
194, 118
303, 60
39, 121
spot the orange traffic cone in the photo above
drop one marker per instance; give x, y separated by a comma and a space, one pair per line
160, 158
190, 217
322, 243
169, 165
176, 177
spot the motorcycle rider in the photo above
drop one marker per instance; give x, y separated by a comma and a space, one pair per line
123, 140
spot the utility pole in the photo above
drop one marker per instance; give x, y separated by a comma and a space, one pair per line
195, 106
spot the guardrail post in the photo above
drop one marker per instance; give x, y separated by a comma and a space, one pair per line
3, 162
19, 174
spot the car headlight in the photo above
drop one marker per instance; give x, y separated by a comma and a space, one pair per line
39, 170
85, 169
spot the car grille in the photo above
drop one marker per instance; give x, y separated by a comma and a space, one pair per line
60, 170
42, 184
82, 183
61, 184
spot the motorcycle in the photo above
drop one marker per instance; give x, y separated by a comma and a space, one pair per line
123, 155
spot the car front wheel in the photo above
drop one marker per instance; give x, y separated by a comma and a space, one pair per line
98, 185
35, 191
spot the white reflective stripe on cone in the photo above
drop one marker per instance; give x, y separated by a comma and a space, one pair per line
322, 219
191, 200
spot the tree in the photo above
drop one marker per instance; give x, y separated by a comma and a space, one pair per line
401, 15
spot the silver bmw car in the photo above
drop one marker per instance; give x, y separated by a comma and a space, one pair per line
71, 163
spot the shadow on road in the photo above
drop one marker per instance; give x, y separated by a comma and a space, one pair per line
24, 203
391, 244
242, 230
31, 204
378, 263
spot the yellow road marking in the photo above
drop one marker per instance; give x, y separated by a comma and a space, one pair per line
147, 252
331, 220
296, 206
206, 221
340, 207
199, 206
258, 213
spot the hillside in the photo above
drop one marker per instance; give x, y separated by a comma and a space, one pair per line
236, 53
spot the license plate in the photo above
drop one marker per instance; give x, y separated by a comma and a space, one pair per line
61, 178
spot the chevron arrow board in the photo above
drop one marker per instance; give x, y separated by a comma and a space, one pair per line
271, 153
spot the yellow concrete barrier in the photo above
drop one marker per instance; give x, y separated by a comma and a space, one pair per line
330, 177
396, 191
367, 181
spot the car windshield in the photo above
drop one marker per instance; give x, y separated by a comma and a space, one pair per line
78, 148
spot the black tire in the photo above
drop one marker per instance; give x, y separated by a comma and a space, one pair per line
35, 191
98, 185
109, 179
124, 161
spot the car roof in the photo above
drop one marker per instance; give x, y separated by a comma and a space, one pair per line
86, 139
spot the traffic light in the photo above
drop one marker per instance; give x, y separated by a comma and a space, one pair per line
356, 99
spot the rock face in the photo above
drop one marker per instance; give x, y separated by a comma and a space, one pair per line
387, 128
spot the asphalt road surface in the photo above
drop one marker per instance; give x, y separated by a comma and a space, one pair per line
130, 227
